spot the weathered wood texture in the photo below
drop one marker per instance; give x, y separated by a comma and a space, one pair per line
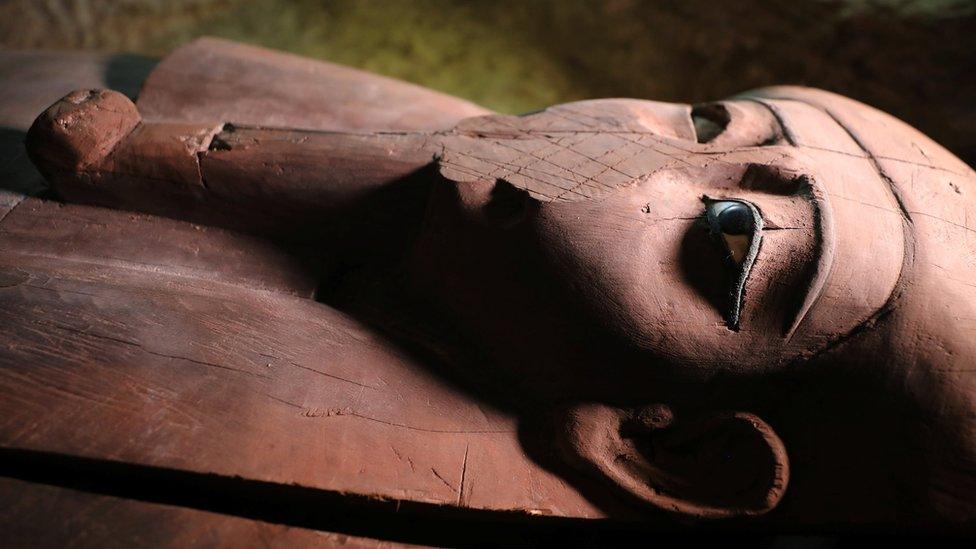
146, 341
298, 185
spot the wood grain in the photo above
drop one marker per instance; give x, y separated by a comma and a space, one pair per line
149, 349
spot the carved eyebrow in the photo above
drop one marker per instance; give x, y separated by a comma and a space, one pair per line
765, 180
826, 222
823, 227
826, 244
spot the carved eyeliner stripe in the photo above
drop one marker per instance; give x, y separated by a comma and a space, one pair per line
743, 268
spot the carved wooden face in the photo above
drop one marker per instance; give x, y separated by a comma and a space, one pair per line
694, 246
624, 250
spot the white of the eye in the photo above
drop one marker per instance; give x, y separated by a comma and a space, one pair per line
738, 245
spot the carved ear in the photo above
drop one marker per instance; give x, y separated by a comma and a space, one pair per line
715, 465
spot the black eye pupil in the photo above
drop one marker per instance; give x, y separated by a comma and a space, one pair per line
735, 218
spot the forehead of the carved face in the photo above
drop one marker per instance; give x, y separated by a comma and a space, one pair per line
902, 153
931, 190
588, 149
934, 192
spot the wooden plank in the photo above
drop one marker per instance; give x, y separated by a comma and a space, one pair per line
138, 243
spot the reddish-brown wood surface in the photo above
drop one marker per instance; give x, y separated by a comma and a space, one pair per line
138, 341
144, 340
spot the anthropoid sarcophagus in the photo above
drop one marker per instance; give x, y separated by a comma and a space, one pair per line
274, 289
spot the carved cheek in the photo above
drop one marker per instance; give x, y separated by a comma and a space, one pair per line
627, 270
646, 268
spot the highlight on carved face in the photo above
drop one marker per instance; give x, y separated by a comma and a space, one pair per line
696, 234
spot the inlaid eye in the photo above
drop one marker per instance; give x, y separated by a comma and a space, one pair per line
733, 217
737, 225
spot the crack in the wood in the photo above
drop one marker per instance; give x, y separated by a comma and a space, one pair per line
420, 429
464, 471
332, 376
442, 479
142, 348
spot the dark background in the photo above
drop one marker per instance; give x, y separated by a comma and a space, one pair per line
913, 58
